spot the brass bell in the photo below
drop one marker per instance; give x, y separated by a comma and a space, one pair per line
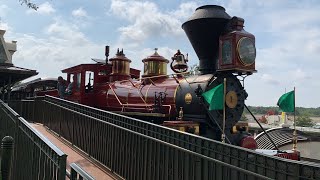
179, 62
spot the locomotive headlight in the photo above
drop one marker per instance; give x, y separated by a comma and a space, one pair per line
247, 51
226, 52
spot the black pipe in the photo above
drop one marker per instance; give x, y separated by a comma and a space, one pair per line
262, 128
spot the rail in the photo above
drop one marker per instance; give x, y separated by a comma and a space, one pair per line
84, 127
78, 173
35, 157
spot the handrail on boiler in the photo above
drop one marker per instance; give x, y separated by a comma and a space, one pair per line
127, 104
149, 106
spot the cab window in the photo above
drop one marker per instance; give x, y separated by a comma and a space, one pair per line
89, 81
78, 81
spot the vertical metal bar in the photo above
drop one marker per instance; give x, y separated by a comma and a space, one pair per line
145, 157
62, 167
224, 110
295, 139
4, 84
73, 174
9, 89
7, 146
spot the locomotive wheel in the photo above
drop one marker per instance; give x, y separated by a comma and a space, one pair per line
235, 96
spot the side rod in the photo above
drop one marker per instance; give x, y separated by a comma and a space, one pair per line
262, 128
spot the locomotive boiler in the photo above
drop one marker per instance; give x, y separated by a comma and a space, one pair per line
225, 51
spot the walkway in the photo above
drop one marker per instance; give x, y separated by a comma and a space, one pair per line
74, 156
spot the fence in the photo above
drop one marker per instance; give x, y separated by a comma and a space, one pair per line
139, 150
78, 173
34, 156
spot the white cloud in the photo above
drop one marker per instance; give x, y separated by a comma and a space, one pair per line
65, 32
185, 10
3, 10
295, 17
5, 26
65, 46
300, 75
269, 79
145, 20
80, 12
44, 8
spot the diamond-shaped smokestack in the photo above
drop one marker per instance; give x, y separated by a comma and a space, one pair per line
203, 29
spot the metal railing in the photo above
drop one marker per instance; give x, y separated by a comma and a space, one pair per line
35, 157
86, 128
78, 173
28, 108
133, 155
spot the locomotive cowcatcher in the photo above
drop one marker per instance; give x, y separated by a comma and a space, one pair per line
224, 49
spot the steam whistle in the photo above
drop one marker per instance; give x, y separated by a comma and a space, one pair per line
179, 63
107, 50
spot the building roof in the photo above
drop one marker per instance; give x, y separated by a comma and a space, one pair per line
15, 73
35, 83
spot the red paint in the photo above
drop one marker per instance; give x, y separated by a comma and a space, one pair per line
248, 142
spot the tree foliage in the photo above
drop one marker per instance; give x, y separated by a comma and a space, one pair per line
194, 70
263, 110
304, 121
29, 4
312, 112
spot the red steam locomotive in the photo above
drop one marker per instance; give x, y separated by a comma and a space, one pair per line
225, 50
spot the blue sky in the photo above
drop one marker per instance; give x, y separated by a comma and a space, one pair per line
65, 33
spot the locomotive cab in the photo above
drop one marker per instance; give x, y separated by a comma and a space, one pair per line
85, 80
91, 81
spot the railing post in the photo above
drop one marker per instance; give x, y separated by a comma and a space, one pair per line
62, 167
7, 146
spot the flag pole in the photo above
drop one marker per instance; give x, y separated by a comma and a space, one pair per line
283, 114
223, 136
294, 121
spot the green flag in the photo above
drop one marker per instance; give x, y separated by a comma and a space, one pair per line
286, 102
214, 97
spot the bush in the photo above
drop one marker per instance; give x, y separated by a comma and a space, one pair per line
304, 121
243, 117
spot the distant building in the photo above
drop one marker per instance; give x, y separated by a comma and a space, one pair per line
7, 49
10, 74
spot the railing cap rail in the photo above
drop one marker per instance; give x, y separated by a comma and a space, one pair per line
80, 171
42, 137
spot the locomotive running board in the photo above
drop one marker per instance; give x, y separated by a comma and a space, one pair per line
142, 114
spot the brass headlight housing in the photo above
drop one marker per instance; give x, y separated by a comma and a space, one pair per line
246, 51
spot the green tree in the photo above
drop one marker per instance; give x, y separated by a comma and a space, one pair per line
29, 4
304, 120
194, 70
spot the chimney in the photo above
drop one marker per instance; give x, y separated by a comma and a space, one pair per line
203, 29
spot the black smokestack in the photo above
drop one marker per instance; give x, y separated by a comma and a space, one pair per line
203, 29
